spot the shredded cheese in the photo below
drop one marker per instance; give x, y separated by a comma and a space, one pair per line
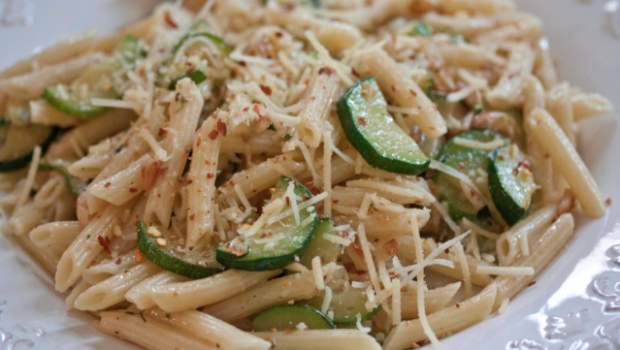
372, 272
159, 152
460, 254
421, 285
108, 102
505, 270
297, 267
244, 200
359, 325
446, 217
317, 273
365, 206
383, 274
327, 299
336, 239
327, 172
487, 146
301, 206
32, 172
396, 306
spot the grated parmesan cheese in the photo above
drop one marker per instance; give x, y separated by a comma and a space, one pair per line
372, 272
327, 299
32, 172
336, 239
365, 206
487, 146
359, 325
317, 273
396, 305
159, 152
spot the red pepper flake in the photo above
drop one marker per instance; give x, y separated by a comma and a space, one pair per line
393, 88
265, 89
107, 184
246, 109
531, 283
458, 306
420, 343
234, 250
413, 93
354, 72
118, 261
314, 190
213, 134
161, 132
232, 183
133, 190
430, 173
242, 63
361, 121
199, 141
189, 181
191, 248
461, 165
191, 217
335, 201
105, 243
608, 201
169, 21
210, 175
327, 70
221, 127
447, 250
279, 34
288, 202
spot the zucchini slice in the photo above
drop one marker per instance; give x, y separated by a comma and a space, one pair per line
287, 317
199, 263
346, 304
319, 246
16, 152
74, 184
197, 76
469, 163
260, 254
511, 183
375, 135
100, 81
451, 148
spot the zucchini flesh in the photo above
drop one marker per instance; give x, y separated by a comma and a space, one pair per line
195, 264
16, 152
375, 135
451, 148
97, 81
74, 184
319, 246
511, 184
466, 162
287, 317
346, 304
256, 254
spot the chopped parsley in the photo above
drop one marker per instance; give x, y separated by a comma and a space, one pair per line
287, 137
422, 29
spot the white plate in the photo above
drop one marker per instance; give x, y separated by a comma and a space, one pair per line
575, 303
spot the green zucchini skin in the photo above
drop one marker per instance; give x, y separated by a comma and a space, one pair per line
159, 257
126, 52
75, 185
197, 76
483, 135
286, 317
23, 161
510, 194
82, 109
373, 133
257, 259
221, 44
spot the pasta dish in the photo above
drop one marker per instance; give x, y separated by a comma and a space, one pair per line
296, 174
